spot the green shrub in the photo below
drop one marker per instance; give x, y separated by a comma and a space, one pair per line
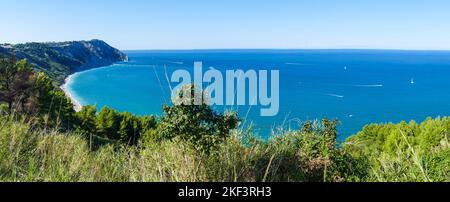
404, 151
196, 123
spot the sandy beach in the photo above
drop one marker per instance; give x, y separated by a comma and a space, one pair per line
76, 104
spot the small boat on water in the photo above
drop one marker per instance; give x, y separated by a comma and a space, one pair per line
412, 80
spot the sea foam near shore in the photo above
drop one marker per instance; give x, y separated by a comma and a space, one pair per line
65, 87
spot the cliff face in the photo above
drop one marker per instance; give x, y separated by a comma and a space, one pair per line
59, 59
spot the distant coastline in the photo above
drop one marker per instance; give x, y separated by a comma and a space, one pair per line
63, 58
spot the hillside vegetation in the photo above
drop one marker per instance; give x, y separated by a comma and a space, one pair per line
59, 59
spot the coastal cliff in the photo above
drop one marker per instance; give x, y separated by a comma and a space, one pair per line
60, 59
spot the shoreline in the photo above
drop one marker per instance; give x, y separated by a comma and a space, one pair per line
76, 104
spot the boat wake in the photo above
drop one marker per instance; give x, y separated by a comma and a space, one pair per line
174, 62
293, 63
370, 86
132, 65
335, 95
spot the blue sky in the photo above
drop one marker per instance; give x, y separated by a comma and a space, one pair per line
204, 24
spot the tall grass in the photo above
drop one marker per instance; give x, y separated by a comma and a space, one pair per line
32, 154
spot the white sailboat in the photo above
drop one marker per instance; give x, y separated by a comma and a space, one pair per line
412, 80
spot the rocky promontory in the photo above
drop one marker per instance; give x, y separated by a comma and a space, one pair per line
60, 59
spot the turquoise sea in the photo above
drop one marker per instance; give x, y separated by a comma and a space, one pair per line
355, 86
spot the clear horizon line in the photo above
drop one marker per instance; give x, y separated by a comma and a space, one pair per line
193, 49
203, 49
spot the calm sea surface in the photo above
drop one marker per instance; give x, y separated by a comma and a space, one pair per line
355, 86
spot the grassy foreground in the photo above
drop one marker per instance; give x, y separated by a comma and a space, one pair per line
31, 154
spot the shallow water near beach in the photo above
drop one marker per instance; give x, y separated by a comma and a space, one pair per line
355, 86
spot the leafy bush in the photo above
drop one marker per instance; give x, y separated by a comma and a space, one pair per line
404, 151
33, 94
196, 123
114, 125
